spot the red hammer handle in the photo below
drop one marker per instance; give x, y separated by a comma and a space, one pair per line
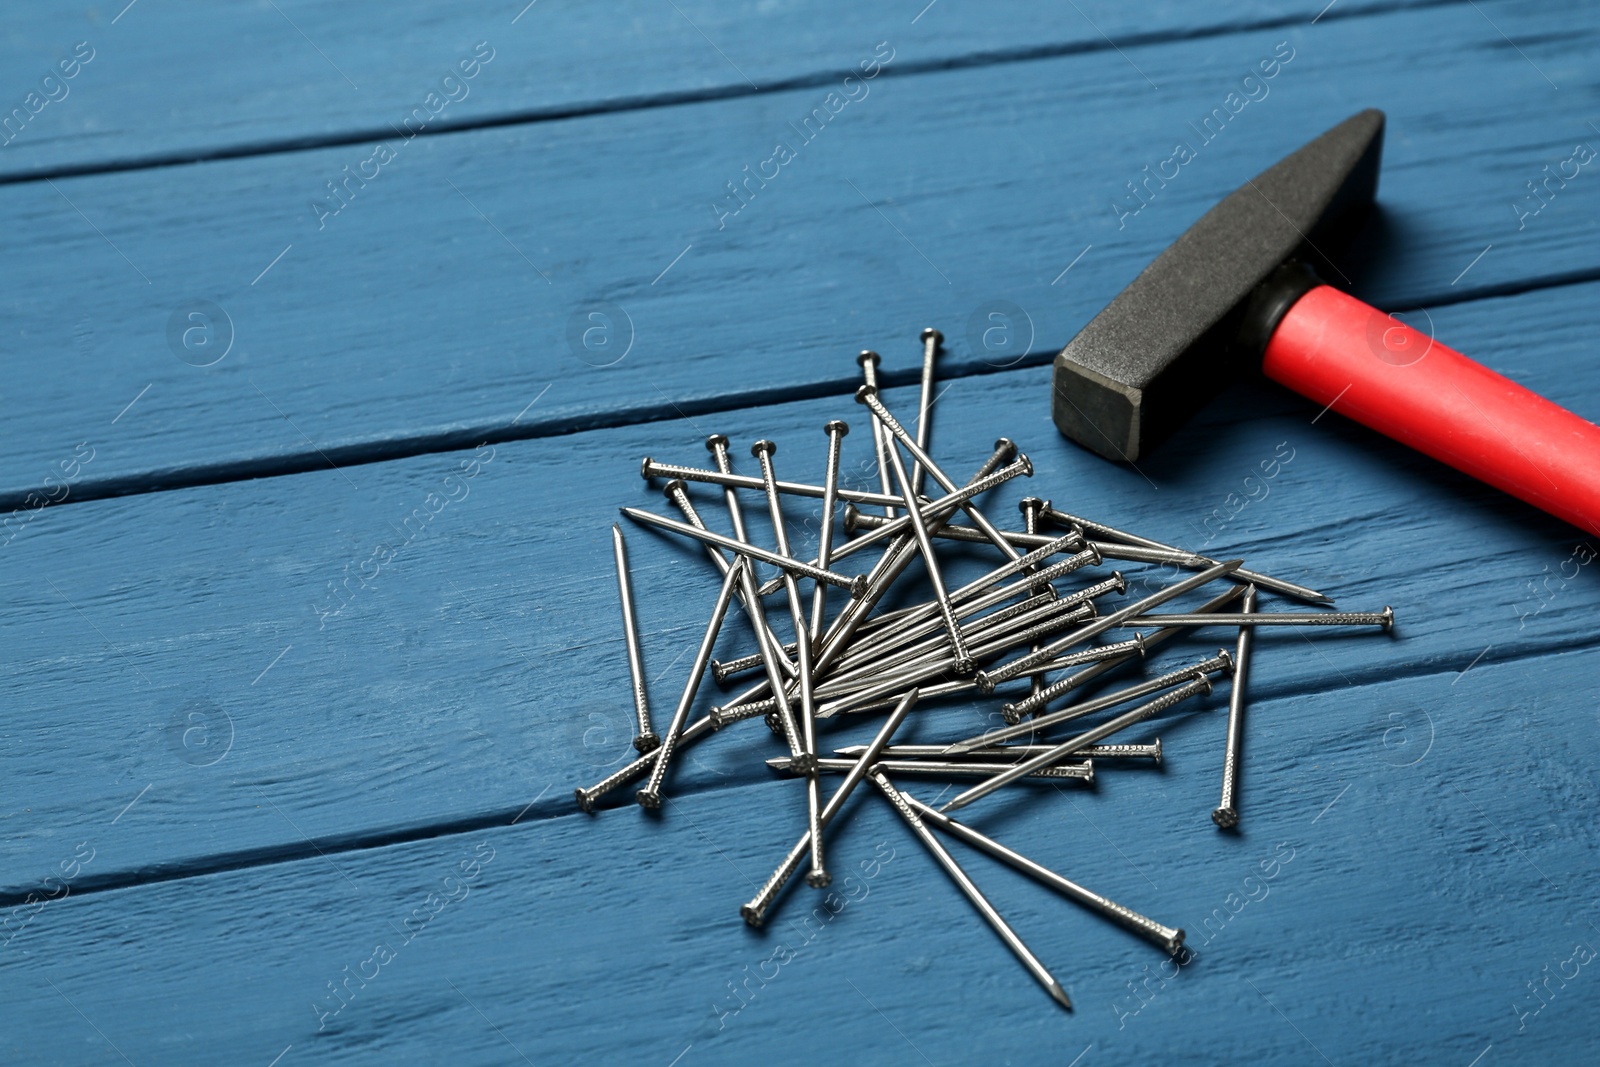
1376, 370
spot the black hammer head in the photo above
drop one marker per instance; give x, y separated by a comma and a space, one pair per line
1187, 324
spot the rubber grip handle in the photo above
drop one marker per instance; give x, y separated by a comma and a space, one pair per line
1370, 367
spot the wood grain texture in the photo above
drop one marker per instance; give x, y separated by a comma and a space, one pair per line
1415, 889
480, 667
444, 299
247, 780
185, 80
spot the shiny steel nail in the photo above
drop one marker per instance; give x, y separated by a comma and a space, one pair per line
722, 670
931, 339
869, 361
677, 492
1221, 663
755, 912
1014, 712
1151, 752
1201, 684
882, 529
1226, 814
868, 395
986, 583
1384, 619
854, 583
628, 772
988, 679
880, 651
957, 875
646, 739
766, 641
650, 469
1082, 771
835, 429
1031, 506
895, 559
1017, 539
806, 759
1168, 937
961, 659
650, 796
1097, 529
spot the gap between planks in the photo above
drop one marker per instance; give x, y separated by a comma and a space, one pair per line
397, 448
560, 807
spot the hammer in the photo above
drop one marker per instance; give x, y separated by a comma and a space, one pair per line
1240, 290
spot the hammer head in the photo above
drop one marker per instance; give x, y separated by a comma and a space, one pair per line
1199, 315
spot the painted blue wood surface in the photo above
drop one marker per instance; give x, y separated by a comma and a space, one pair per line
451, 291
1436, 789
1416, 904
169, 80
492, 628
483, 668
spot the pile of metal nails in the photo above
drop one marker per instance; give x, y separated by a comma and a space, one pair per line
1014, 628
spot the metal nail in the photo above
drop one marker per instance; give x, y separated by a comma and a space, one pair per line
1265, 581
1151, 752
1098, 654
988, 679
1014, 712
1079, 771
859, 520
920, 670
931, 340
722, 670
766, 641
896, 642
806, 759
957, 875
882, 528
678, 492
650, 469
869, 361
1384, 619
1226, 814
960, 657
855, 583
1031, 506
990, 635
628, 772
755, 912
646, 739
996, 593
1221, 663
868, 395
1168, 937
836, 430
895, 559
1201, 684
650, 796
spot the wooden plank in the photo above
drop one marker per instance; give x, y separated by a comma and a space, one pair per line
319, 75
449, 294
617, 938
479, 667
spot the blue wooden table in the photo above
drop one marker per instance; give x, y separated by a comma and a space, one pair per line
334, 335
